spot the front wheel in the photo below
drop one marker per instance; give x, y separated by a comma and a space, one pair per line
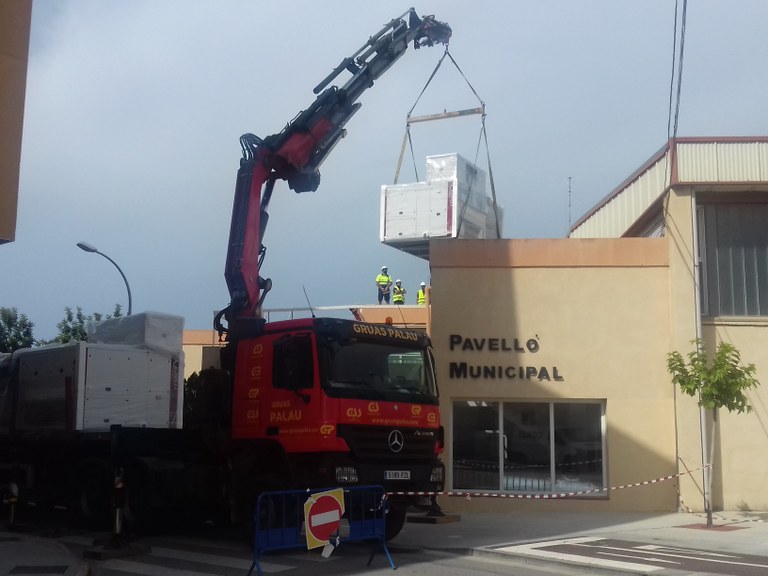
138, 506
396, 516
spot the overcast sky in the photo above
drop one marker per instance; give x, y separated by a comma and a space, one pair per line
134, 110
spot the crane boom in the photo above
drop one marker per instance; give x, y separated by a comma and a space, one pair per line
296, 153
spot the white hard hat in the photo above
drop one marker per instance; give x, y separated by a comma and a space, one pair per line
397, 281
383, 267
423, 283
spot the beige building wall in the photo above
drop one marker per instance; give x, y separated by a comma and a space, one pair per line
201, 350
740, 464
15, 19
599, 311
682, 327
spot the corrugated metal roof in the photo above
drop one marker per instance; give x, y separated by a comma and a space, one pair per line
625, 205
696, 160
722, 161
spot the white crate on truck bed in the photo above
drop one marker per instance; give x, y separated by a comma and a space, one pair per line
154, 330
90, 387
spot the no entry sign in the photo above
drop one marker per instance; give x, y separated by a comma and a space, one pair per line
322, 516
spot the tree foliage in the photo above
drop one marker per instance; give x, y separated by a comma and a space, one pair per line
721, 383
72, 326
15, 330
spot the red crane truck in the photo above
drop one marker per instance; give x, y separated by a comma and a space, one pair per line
301, 403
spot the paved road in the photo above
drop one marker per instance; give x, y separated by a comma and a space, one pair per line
202, 556
188, 556
480, 543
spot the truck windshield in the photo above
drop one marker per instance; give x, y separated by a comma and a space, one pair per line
373, 370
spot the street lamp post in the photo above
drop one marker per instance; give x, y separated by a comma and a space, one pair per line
89, 248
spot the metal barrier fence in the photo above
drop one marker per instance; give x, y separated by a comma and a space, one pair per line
294, 518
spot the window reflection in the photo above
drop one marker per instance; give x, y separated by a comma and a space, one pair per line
476, 445
543, 447
578, 447
526, 447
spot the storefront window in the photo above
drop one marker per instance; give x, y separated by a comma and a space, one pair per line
578, 447
476, 445
526, 447
543, 447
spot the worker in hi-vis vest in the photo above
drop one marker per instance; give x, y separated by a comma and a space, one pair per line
398, 293
421, 295
383, 284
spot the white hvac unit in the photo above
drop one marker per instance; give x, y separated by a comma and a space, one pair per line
452, 203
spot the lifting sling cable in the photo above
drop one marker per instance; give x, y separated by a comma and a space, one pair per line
493, 186
465, 78
406, 138
483, 136
463, 209
407, 135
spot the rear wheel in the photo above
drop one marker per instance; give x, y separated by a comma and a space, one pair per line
92, 494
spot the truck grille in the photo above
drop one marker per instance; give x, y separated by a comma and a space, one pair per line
372, 443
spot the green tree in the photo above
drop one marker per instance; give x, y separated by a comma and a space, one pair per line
206, 399
15, 330
721, 383
72, 326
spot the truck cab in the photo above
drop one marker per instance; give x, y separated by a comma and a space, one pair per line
341, 403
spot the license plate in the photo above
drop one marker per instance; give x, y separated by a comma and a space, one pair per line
397, 475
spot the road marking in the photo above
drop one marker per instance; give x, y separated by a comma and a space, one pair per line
308, 557
180, 541
79, 540
635, 557
703, 558
630, 550
156, 570
177, 554
538, 549
534, 550
202, 558
686, 554
215, 562
150, 569
672, 549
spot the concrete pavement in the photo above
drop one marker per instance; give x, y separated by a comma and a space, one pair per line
508, 536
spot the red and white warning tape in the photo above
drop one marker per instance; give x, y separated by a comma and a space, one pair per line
549, 496
554, 496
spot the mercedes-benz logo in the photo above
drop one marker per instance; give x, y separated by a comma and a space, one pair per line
395, 441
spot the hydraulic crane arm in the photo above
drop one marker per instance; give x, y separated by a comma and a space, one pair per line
295, 154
